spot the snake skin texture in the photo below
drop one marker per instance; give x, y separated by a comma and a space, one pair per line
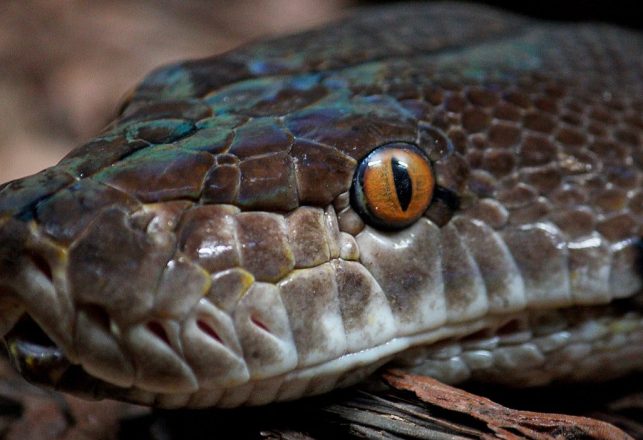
203, 251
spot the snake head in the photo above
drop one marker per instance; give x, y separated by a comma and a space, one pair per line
247, 230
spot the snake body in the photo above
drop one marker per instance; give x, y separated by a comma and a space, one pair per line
203, 250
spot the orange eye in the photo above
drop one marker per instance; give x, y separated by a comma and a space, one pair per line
393, 186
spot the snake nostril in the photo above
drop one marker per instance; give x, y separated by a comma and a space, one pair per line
205, 328
158, 330
41, 264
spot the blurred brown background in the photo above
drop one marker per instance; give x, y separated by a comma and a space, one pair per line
66, 64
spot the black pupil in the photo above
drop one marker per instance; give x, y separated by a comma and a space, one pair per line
403, 186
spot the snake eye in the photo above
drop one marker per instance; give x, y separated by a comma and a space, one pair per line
392, 186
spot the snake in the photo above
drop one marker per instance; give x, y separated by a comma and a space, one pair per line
448, 188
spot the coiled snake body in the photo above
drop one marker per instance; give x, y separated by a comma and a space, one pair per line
213, 246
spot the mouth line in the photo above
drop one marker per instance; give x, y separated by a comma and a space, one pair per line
33, 354
40, 361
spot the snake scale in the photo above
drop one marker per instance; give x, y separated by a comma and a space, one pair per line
443, 186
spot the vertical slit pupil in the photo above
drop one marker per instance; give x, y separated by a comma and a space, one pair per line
403, 186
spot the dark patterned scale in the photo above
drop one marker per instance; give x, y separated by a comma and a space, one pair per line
203, 249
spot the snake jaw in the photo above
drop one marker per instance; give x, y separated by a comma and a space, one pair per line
42, 362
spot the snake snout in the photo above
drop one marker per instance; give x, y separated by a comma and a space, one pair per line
34, 316
25, 277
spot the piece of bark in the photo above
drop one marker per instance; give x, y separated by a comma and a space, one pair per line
27, 412
505, 423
